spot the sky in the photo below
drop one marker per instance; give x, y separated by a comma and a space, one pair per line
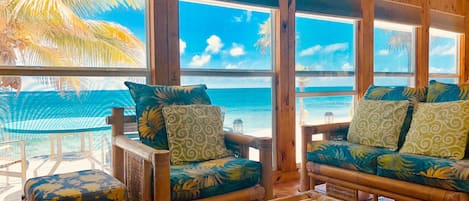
215, 37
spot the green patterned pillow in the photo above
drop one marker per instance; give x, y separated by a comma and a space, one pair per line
397, 93
443, 92
439, 130
378, 123
149, 103
195, 133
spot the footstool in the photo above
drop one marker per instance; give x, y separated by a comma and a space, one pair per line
81, 185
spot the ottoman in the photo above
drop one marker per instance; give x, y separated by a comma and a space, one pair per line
81, 185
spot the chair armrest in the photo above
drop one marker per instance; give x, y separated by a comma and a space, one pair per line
138, 165
241, 143
307, 131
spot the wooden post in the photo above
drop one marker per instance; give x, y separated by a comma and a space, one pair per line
117, 152
164, 42
422, 46
464, 50
306, 137
463, 76
364, 68
285, 85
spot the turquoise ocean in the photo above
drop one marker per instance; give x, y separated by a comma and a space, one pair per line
252, 105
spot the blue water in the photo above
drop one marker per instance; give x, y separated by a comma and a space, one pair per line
252, 105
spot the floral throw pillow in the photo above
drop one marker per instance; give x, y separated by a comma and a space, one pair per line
439, 130
195, 133
150, 100
378, 123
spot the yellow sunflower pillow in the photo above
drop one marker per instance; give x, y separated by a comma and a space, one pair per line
149, 102
439, 130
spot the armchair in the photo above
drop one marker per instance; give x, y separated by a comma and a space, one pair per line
147, 171
12, 155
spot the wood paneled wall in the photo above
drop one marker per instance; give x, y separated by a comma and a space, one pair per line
285, 84
164, 42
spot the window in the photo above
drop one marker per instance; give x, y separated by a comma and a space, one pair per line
444, 61
394, 54
325, 71
68, 60
228, 48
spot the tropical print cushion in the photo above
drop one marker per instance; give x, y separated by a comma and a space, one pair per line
345, 155
150, 101
437, 172
443, 92
439, 129
396, 93
195, 133
378, 123
214, 177
81, 185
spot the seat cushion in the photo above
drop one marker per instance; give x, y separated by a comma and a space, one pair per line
214, 177
437, 172
81, 185
149, 102
345, 155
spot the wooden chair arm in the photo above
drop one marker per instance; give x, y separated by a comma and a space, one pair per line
264, 144
145, 152
307, 131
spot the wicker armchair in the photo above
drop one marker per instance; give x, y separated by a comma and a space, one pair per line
138, 165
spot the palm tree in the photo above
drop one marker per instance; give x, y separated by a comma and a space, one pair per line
54, 33
401, 41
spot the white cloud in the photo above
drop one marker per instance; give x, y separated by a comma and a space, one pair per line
347, 66
182, 46
335, 47
383, 52
443, 50
214, 44
237, 50
198, 61
434, 69
231, 66
310, 51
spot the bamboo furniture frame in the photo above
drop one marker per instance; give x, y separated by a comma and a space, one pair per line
381, 186
138, 165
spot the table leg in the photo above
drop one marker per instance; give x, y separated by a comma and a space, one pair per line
52, 145
90, 142
59, 147
82, 140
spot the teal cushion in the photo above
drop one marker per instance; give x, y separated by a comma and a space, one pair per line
150, 100
430, 171
345, 155
213, 177
443, 92
397, 93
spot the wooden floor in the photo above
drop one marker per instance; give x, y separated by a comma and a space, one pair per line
286, 188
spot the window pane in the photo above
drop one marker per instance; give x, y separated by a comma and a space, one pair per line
107, 34
324, 84
393, 53
247, 99
323, 45
63, 105
443, 55
216, 37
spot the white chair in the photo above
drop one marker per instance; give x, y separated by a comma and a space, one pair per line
13, 160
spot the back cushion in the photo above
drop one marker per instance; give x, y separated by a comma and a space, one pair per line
443, 92
398, 93
149, 102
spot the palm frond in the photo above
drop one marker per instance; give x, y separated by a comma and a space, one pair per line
437, 89
464, 92
378, 93
265, 33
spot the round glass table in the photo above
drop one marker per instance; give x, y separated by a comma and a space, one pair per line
57, 128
